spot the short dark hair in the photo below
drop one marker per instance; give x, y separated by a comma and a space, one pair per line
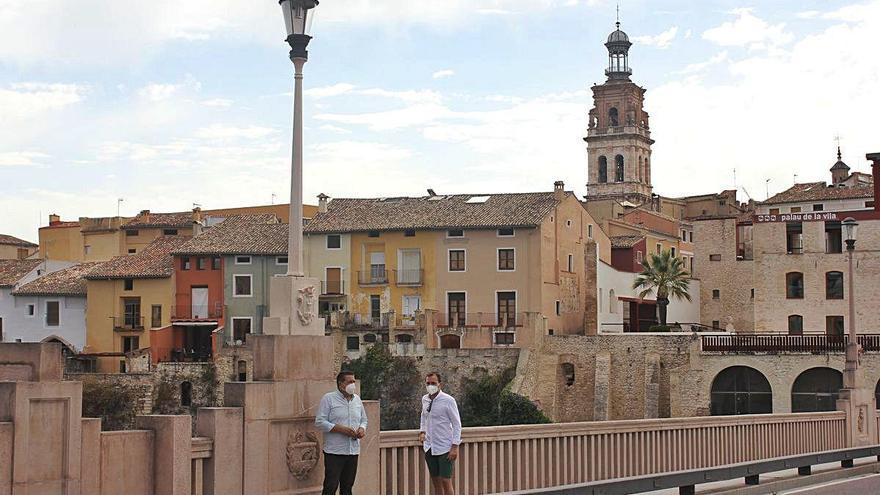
434, 373
342, 374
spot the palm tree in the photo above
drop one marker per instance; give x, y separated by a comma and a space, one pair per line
666, 275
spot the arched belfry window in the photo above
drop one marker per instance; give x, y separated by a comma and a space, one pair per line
613, 118
641, 172
618, 168
603, 169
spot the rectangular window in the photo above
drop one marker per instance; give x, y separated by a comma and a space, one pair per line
352, 343
53, 313
184, 263
131, 233
457, 260
201, 263
506, 260
507, 309
833, 237
455, 233
378, 274
590, 231
334, 241
242, 260
744, 243
691, 237
373, 233
31, 309
241, 328
819, 207
215, 263
409, 233
281, 260
559, 308
156, 316
795, 325
242, 286
692, 265
169, 232
774, 211
131, 313
714, 257
570, 263
684, 235
506, 233
794, 238
457, 307
834, 285
834, 325
752, 296
128, 284
794, 285
375, 307
672, 252
659, 248
795, 209
869, 204
132, 251
716, 324
87, 250
639, 256
504, 338
716, 294
130, 344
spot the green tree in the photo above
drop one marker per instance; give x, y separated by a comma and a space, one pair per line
514, 409
665, 275
371, 369
115, 403
394, 381
486, 401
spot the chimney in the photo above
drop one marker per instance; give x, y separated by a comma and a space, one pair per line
145, 215
559, 190
875, 171
54, 219
197, 220
322, 203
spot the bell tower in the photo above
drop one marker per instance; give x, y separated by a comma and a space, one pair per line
618, 138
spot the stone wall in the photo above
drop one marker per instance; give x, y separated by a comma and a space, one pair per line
456, 364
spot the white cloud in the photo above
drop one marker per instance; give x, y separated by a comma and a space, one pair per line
335, 129
225, 132
698, 67
21, 100
218, 102
158, 92
440, 74
748, 30
662, 40
809, 14
22, 159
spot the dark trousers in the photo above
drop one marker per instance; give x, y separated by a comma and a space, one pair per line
339, 472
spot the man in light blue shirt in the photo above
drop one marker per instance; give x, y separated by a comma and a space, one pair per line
342, 418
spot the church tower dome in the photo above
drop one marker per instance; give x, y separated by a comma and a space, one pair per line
618, 45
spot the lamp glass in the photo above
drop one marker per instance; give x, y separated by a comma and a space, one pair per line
849, 226
298, 15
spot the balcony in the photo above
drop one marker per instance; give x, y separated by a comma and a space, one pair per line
332, 287
410, 278
479, 320
128, 323
197, 312
375, 276
781, 343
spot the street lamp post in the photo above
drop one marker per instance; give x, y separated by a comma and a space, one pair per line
298, 16
849, 227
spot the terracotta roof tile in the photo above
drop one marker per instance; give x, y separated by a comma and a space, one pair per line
434, 212
147, 219
11, 271
9, 240
242, 234
155, 261
818, 191
67, 282
625, 241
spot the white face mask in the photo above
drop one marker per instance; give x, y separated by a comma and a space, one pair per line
350, 389
432, 389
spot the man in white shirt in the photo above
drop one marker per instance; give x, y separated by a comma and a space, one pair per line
440, 434
342, 418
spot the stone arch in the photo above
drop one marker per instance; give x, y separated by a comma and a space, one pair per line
618, 169
603, 169
740, 390
67, 349
816, 389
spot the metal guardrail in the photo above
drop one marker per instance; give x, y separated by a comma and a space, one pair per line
686, 481
786, 343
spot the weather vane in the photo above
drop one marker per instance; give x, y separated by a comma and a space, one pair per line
618, 15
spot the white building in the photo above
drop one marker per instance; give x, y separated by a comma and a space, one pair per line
31, 318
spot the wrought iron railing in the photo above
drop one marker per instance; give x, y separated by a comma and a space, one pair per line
773, 343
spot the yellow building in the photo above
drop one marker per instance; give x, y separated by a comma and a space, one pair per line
128, 297
13, 248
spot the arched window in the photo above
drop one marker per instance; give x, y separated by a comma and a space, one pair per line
877, 393
242, 371
816, 390
641, 171
618, 168
741, 390
794, 285
834, 285
613, 119
603, 169
795, 325
612, 302
186, 393
567, 370
647, 177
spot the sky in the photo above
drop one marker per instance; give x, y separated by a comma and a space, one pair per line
169, 104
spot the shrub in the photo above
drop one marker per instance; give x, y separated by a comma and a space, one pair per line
115, 403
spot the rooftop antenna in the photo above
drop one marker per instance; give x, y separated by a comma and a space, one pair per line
118, 203
767, 188
734, 178
618, 15
197, 205
273, 198
795, 178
